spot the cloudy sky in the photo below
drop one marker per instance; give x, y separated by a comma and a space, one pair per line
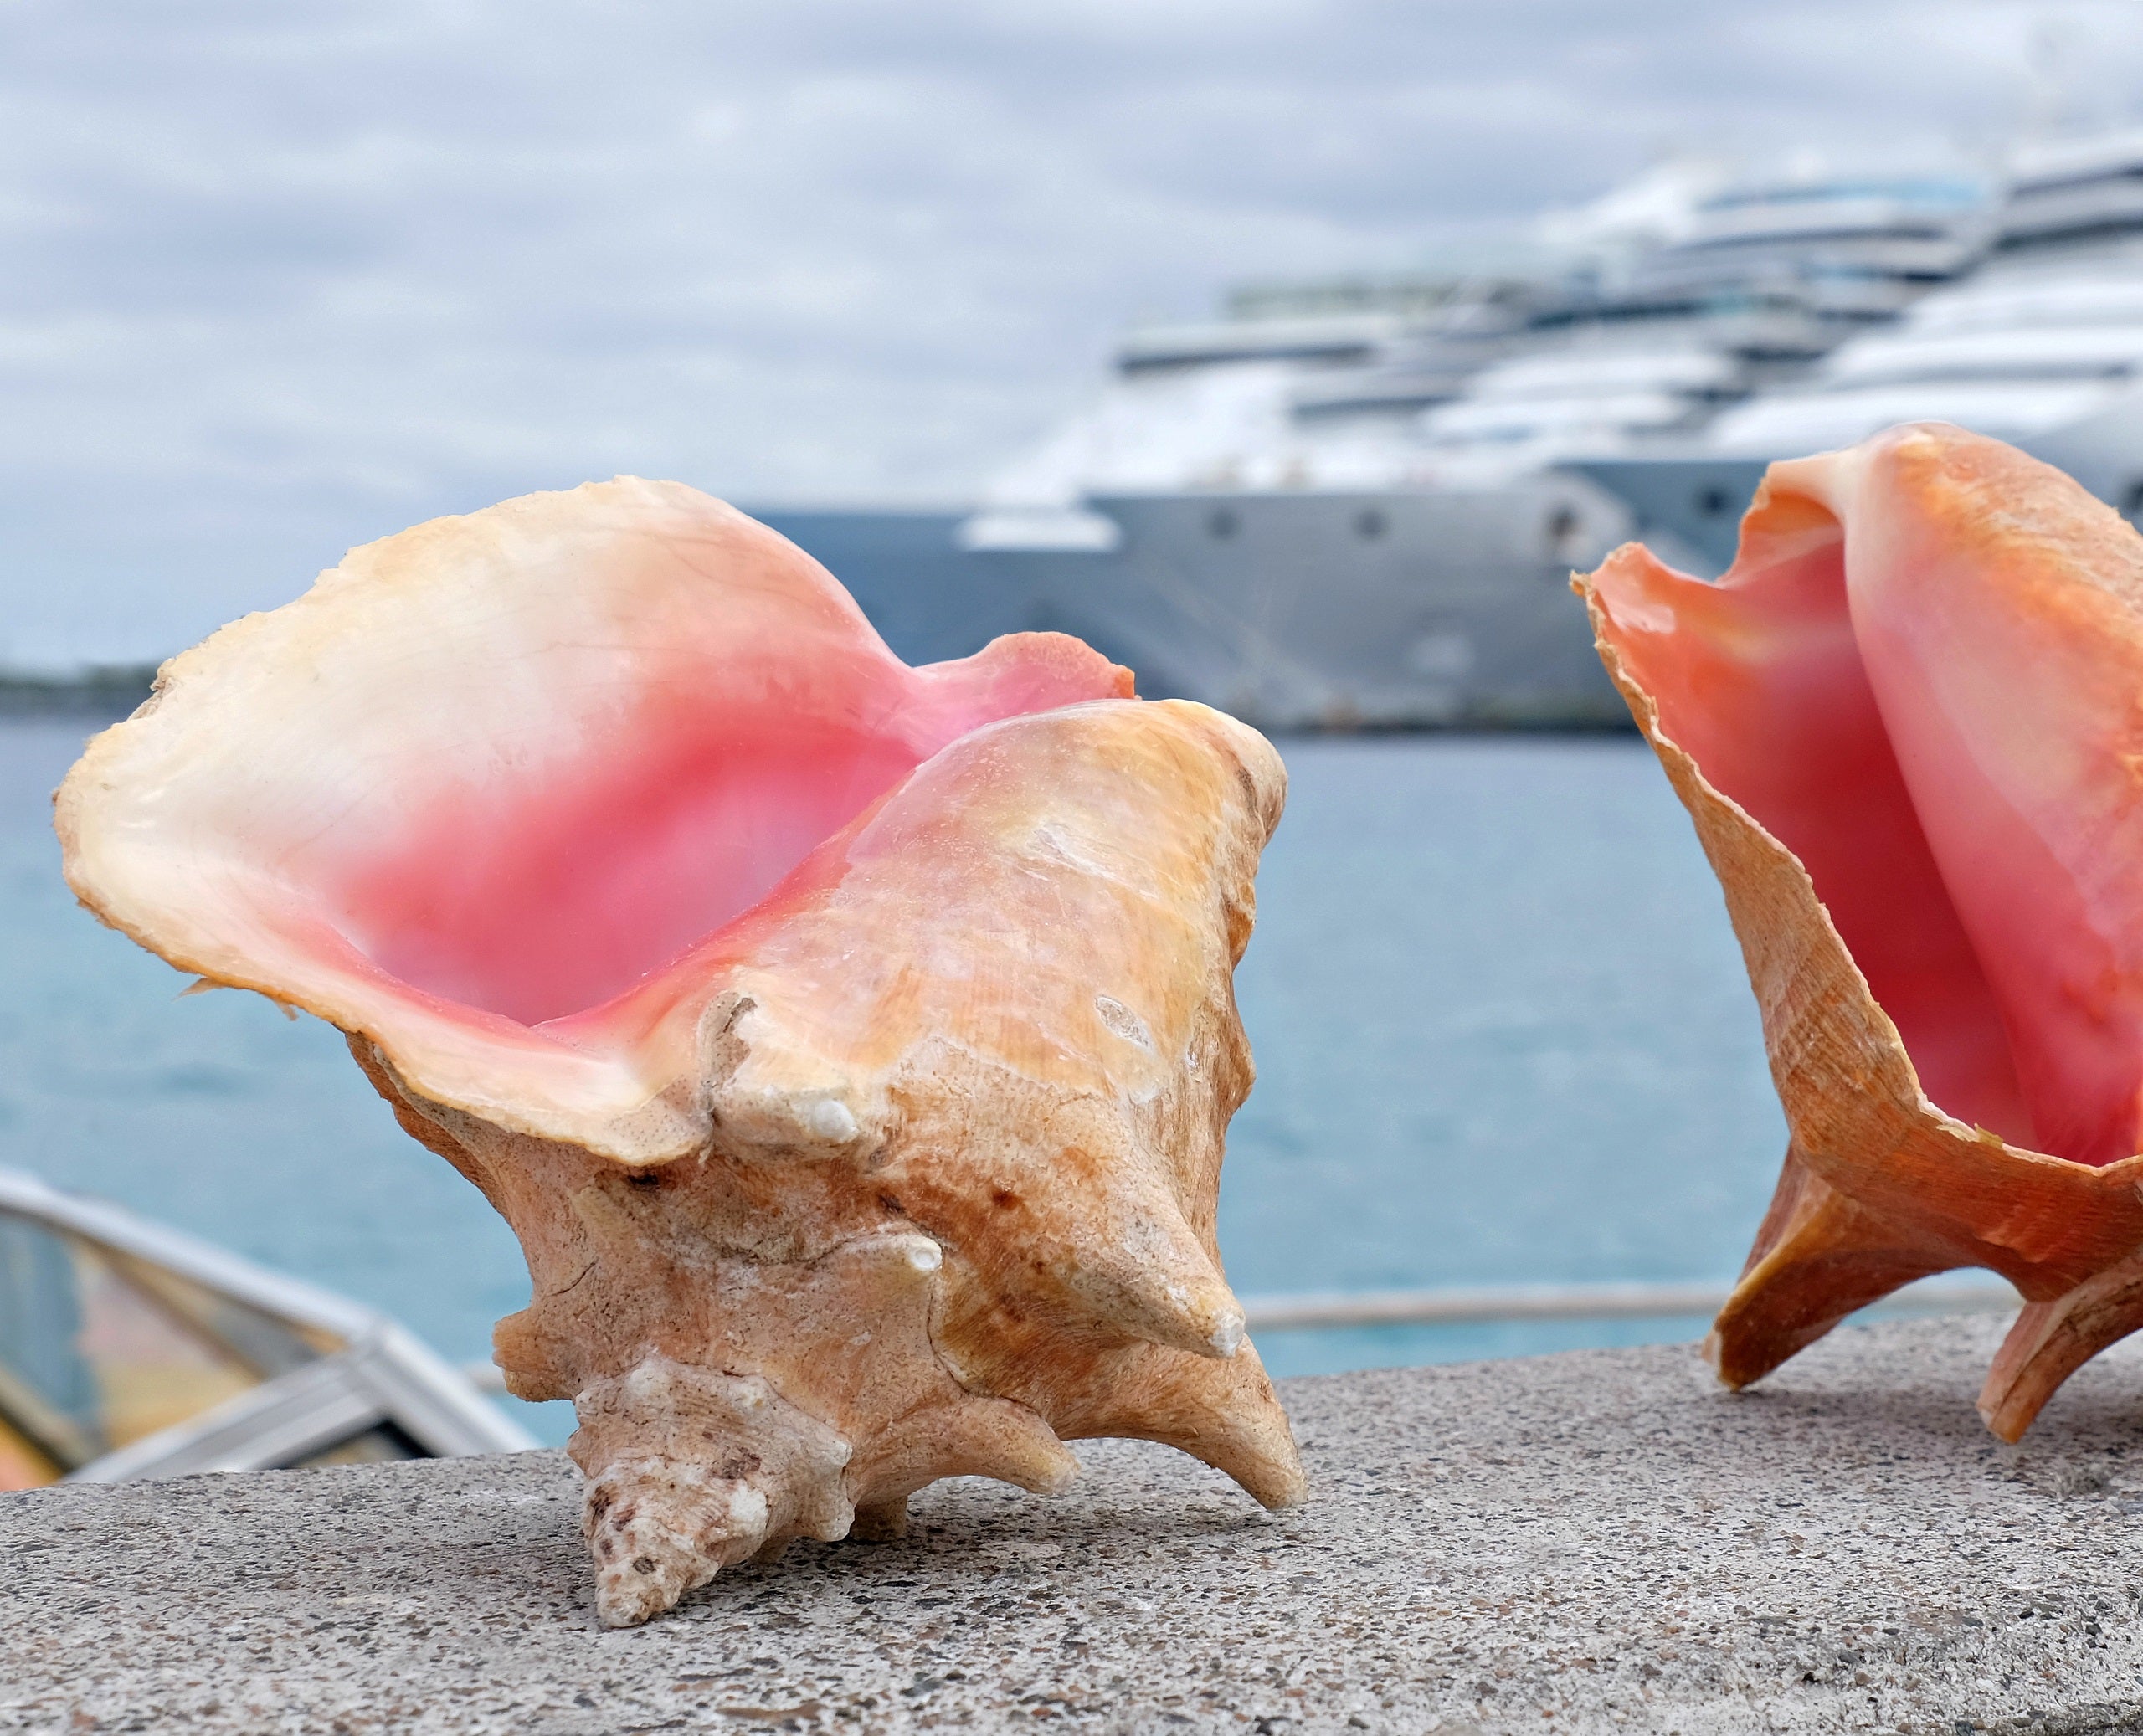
276, 278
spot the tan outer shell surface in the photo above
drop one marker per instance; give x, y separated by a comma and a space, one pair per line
950, 1216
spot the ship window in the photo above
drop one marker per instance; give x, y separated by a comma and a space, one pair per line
1370, 525
1223, 524
1713, 502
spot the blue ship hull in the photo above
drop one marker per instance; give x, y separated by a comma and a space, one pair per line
1314, 611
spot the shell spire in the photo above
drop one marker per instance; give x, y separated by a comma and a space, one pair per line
1906, 724
851, 1047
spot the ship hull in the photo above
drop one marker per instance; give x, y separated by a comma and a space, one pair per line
1687, 510
1386, 609
1295, 610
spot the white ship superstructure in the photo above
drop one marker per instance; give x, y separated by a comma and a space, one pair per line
2042, 347
1288, 393
1210, 401
1767, 280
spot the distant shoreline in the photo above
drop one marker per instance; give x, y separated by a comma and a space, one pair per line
105, 691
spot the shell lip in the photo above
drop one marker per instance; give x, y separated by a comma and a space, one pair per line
589, 1094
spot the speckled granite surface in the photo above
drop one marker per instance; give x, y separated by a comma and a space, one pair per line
1591, 1542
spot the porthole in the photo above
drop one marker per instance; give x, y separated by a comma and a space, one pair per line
1714, 502
1370, 525
1223, 524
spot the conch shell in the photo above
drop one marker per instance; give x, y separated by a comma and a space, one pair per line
1909, 725
850, 1046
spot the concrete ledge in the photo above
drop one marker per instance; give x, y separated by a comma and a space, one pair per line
1591, 1542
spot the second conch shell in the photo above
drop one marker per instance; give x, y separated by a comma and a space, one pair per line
851, 1047
1909, 725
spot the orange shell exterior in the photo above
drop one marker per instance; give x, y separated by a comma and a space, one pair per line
1880, 1186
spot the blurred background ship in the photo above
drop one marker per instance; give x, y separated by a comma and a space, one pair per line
1356, 503
2039, 345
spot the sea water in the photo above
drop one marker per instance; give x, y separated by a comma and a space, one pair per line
1502, 1032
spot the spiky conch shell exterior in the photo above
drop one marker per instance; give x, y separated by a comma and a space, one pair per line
1880, 1186
910, 1171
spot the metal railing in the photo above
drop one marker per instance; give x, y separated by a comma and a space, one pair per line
1491, 1304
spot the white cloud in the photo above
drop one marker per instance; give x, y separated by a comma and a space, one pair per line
281, 279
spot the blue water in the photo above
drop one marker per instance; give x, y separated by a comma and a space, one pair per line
1502, 1032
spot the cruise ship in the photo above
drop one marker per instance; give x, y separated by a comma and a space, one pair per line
1235, 518
1353, 508
2042, 346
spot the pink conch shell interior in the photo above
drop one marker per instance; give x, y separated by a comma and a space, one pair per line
1898, 682
633, 715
